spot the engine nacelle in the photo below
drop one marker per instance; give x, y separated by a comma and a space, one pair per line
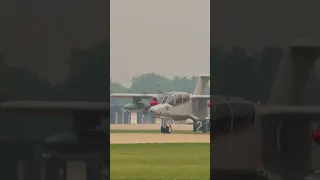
139, 106
189, 121
131, 107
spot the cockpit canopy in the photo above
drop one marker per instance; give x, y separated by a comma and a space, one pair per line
175, 98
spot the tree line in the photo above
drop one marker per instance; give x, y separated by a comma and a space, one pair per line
154, 84
234, 72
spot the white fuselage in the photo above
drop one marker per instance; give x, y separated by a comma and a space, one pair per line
178, 110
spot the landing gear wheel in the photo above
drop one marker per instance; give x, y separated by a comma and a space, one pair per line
166, 129
169, 129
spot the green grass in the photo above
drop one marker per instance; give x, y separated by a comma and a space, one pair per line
150, 131
160, 161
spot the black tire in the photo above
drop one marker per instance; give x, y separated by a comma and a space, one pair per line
163, 130
169, 129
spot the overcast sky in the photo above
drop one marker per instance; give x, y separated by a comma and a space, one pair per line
168, 37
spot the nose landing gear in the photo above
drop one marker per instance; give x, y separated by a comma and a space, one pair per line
165, 128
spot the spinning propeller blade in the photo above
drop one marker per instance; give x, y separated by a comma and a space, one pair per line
159, 93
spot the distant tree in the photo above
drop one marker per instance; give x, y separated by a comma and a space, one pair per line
184, 84
117, 87
147, 83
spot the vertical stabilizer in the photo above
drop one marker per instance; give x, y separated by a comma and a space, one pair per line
202, 84
293, 74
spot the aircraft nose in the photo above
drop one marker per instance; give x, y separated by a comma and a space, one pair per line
156, 109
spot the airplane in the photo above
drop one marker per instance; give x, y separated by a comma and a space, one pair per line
177, 106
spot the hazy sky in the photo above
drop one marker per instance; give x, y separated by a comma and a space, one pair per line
168, 37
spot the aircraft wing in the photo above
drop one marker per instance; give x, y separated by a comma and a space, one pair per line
133, 95
207, 97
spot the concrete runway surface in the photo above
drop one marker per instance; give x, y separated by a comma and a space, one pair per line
134, 138
183, 127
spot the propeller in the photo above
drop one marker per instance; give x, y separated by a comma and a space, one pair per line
159, 93
158, 97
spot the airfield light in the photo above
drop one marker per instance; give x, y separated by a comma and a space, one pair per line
316, 136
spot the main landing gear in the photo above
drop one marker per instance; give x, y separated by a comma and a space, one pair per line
165, 128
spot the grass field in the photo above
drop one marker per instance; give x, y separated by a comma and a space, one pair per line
160, 161
150, 131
